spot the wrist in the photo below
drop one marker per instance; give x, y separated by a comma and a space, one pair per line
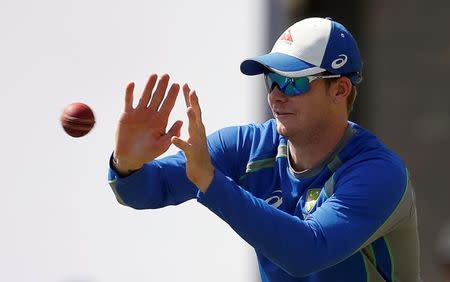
124, 168
206, 181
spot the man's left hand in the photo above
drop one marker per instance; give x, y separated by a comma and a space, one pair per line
199, 168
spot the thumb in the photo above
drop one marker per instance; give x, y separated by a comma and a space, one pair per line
175, 129
181, 144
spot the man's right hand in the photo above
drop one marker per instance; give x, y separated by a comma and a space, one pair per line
141, 132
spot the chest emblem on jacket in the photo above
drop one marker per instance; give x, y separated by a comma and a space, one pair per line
311, 198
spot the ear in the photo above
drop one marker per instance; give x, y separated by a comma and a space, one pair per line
343, 87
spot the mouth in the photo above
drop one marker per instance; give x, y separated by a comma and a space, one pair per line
278, 113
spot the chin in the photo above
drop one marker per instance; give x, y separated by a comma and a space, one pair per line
289, 129
282, 129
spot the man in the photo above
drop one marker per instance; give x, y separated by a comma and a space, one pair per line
318, 197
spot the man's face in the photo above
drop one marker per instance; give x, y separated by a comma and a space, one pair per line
304, 114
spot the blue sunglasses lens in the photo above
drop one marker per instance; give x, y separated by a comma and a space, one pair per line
289, 86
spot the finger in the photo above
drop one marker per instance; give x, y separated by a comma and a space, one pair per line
195, 128
181, 144
192, 120
129, 97
169, 101
159, 92
147, 93
174, 130
193, 99
186, 91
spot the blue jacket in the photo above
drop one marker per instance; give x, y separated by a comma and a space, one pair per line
352, 218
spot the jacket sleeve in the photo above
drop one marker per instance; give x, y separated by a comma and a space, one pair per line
164, 182
157, 184
365, 196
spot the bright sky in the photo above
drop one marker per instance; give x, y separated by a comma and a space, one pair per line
60, 221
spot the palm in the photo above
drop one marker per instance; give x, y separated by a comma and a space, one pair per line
140, 137
141, 133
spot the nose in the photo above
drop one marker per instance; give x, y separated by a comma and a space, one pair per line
277, 96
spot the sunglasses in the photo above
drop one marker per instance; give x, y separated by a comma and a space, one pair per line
292, 86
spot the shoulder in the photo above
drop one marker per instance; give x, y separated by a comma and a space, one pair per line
245, 134
370, 167
231, 148
268, 127
375, 168
365, 146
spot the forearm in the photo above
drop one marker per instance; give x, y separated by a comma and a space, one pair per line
282, 238
157, 184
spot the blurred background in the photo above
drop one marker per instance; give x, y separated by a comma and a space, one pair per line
60, 221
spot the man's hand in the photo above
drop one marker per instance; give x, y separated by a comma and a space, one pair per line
141, 132
199, 168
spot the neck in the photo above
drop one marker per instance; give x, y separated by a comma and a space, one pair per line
306, 152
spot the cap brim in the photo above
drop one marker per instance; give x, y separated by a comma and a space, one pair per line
280, 63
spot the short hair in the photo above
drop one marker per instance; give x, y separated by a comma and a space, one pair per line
351, 99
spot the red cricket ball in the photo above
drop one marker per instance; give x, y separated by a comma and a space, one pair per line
77, 119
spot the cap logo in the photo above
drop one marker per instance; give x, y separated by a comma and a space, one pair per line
286, 36
339, 62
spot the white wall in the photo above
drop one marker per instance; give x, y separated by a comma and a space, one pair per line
60, 221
